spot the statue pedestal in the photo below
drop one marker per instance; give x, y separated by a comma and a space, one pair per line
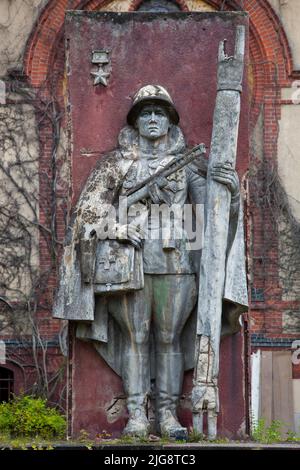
179, 52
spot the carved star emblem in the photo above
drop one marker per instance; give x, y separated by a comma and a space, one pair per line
100, 77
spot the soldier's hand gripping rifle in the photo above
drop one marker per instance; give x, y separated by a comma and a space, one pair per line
143, 190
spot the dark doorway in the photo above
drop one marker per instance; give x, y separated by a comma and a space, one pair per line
6, 384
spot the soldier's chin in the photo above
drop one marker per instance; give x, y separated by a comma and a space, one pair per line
154, 134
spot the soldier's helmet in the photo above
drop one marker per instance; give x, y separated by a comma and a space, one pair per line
151, 94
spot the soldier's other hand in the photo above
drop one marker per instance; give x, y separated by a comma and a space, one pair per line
133, 234
136, 235
224, 173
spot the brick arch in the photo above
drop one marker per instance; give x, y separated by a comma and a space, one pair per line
265, 27
270, 54
48, 32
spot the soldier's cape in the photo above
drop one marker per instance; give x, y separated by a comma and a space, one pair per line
75, 299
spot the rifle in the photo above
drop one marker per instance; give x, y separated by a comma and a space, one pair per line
141, 190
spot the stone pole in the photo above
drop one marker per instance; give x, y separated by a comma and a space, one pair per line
205, 394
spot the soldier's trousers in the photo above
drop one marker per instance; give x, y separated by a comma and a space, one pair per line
163, 306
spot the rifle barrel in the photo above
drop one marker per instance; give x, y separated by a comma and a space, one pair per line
171, 167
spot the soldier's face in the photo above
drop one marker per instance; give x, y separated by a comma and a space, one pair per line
153, 122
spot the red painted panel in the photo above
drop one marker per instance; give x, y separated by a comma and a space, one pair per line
164, 49
180, 53
95, 388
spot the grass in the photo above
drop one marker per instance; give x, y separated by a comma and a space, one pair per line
273, 433
262, 434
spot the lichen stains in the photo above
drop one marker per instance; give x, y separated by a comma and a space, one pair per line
89, 216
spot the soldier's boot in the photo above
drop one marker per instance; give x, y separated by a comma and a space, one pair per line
136, 380
169, 375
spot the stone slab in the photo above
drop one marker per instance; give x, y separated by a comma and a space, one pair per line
179, 52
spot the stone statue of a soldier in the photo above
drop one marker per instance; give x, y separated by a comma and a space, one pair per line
147, 332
